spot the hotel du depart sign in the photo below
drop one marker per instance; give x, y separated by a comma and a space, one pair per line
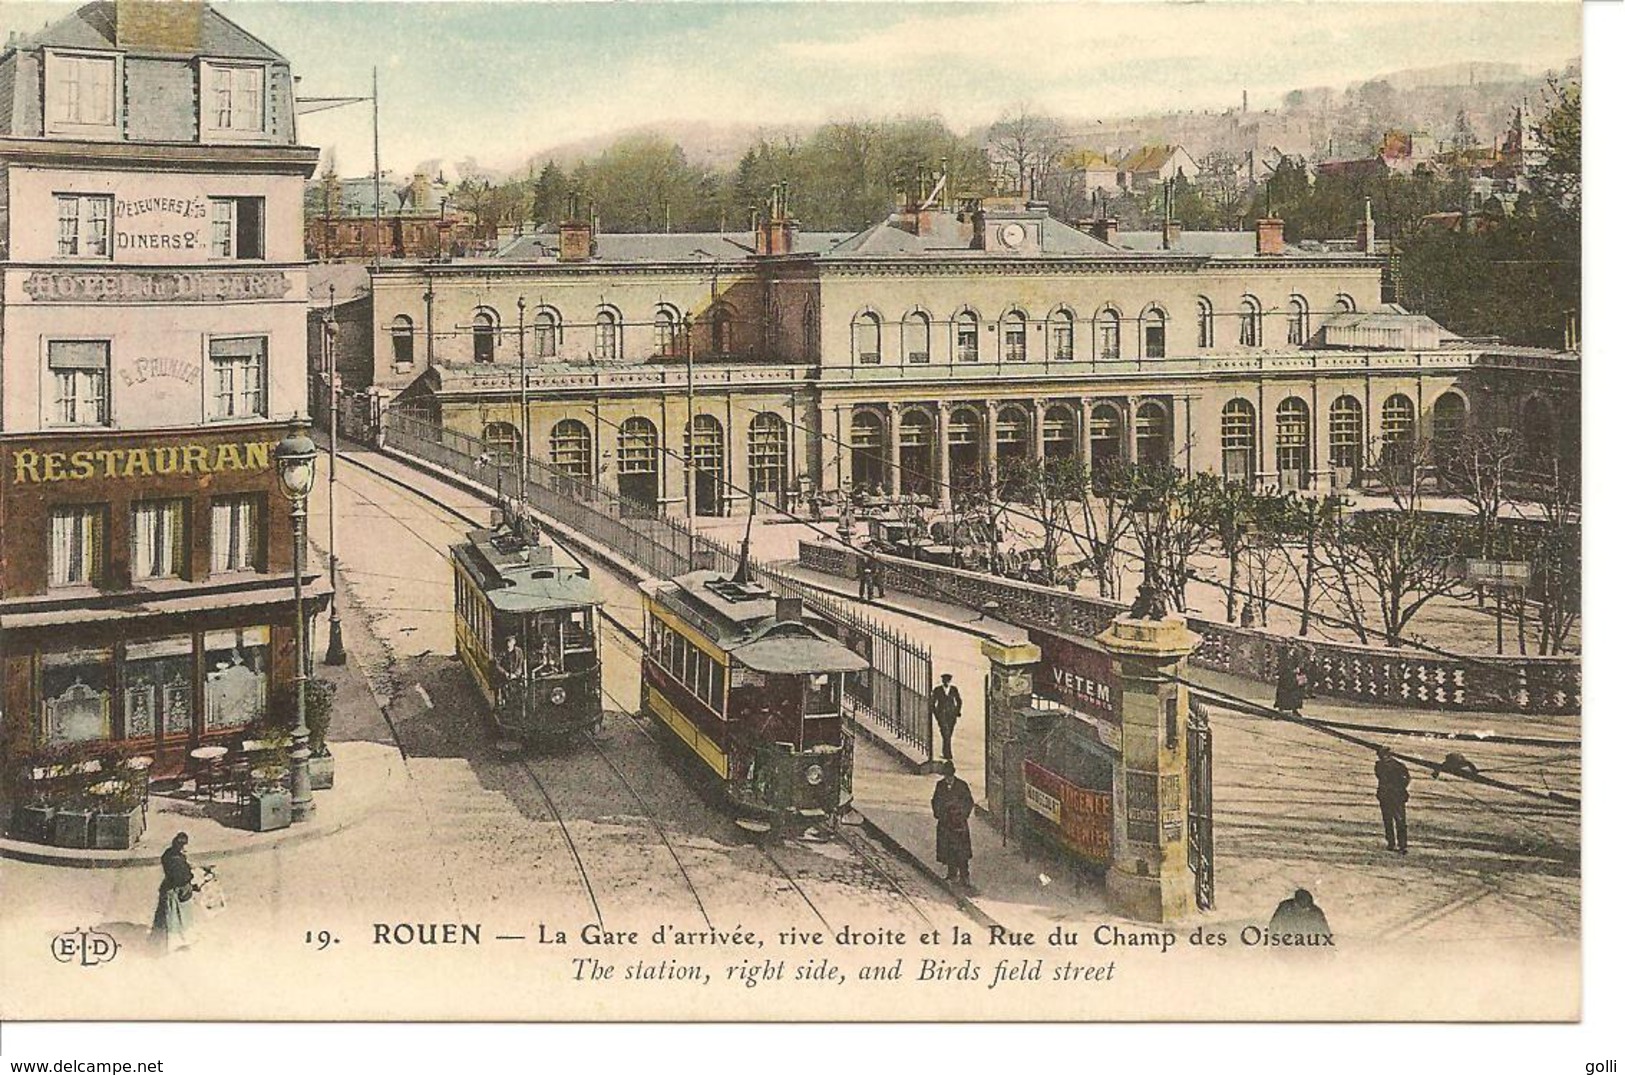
132, 285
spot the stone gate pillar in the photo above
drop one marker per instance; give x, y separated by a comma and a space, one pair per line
1150, 878
1009, 700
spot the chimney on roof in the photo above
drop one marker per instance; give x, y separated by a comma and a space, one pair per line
787, 609
1170, 226
158, 25
776, 235
420, 191
1271, 235
575, 233
1365, 240
1104, 229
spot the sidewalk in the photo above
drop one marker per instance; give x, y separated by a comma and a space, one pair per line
365, 768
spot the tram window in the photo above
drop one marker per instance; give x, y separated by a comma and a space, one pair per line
823, 694
577, 632
713, 696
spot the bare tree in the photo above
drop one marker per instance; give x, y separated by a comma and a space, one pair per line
1026, 144
1170, 519
1304, 523
1480, 469
1047, 489
1555, 578
1104, 523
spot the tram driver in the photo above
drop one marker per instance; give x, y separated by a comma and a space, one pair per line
511, 663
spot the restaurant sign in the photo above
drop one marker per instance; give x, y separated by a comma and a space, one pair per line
1075, 675
30, 467
208, 285
1079, 818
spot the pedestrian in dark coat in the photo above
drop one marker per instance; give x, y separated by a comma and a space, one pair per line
1393, 784
1300, 915
945, 708
173, 918
877, 578
865, 586
951, 805
1290, 684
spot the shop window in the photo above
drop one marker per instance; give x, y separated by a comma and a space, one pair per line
76, 696
236, 677
158, 687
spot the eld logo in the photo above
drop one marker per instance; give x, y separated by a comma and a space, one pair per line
87, 947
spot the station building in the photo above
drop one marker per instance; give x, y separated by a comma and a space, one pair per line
935, 344
152, 343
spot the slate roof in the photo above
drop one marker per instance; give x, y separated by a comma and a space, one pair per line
888, 240
701, 248
93, 27
1214, 244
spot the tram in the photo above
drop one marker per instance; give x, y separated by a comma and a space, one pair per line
527, 631
745, 683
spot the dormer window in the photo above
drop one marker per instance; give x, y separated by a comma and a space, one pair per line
81, 95
233, 100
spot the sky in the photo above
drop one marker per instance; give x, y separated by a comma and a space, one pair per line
500, 81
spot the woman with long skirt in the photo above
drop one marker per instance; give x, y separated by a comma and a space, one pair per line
173, 920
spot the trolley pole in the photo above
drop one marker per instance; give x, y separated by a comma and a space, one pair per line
524, 425
335, 629
688, 436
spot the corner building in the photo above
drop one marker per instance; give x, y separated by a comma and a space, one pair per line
151, 356
937, 344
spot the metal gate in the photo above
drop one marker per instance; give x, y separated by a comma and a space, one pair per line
1199, 773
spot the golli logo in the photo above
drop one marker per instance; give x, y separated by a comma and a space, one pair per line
86, 947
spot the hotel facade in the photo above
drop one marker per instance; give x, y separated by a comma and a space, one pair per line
936, 344
151, 356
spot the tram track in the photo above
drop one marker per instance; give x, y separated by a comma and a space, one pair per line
617, 619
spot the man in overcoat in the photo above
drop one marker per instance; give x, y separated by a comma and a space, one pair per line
1393, 790
951, 805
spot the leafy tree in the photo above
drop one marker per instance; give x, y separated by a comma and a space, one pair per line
549, 192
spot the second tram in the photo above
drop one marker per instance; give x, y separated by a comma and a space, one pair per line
753, 691
527, 631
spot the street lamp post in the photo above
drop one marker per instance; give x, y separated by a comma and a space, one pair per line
296, 474
1150, 519
688, 439
335, 630
524, 426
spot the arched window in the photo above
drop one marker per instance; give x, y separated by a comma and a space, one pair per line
705, 442
570, 448
1108, 336
1156, 333
967, 338
1297, 326
917, 337
1238, 440
1204, 323
1252, 322
501, 440
1060, 432
547, 327
1398, 430
1105, 435
769, 455
1345, 433
666, 338
1061, 336
1015, 336
1012, 434
485, 336
866, 338
606, 339
916, 444
637, 462
1292, 442
1539, 431
965, 460
722, 330
868, 450
400, 339
1449, 421
1153, 432
1344, 305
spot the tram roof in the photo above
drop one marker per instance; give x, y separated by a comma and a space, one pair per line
744, 621
521, 578
797, 654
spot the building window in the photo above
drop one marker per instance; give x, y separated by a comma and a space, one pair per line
1204, 323
1060, 432
868, 438
236, 677
606, 341
158, 687
1015, 336
917, 337
769, 454
866, 338
1153, 434
1252, 323
637, 450
234, 534
76, 694
157, 539
79, 375
967, 338
81, 91
570, 448
1346, 435
722, 331
82, 225
1297, 328
1156, 334
666, 333
1061, 336
1398, 430
235, 99
1238, 437
485, 336
1109, 336
1345, 305
1292, 441
1449, 422
239, 377
400, 340
547, 334
78, 554
501, 440
237, 228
